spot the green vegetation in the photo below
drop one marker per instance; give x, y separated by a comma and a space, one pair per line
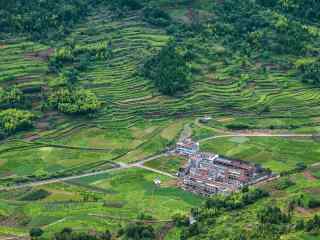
12, 120
42, 19
138, 231
35, 233
35, 195
75, 101
11, 98
112, 200
276, 153
145, 69
309, 70
168, 70
168, 164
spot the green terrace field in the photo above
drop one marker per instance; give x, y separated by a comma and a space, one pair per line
244, 88
105, 201
223, 85
85, 149
276, 153
169, 164
132, 104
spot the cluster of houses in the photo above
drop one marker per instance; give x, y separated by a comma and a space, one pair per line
208, 173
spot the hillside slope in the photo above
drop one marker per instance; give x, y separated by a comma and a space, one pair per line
75, 96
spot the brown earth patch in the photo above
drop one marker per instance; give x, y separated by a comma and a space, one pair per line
164, 230
303, 211
40, 55
225, 119
31, 136
307, 212
313, 190
13, 237
309, 176
170, 183
14, 220
19, 79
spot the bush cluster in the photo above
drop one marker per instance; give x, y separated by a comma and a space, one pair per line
74, 101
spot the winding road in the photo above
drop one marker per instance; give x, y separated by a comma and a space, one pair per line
120, 166
140, 164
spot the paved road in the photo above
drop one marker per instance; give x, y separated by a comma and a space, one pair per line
121, 166
140, 164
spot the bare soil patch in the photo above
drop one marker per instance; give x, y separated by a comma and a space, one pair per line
40, 55
164, 230
309, 176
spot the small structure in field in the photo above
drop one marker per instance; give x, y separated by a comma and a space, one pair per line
205, 119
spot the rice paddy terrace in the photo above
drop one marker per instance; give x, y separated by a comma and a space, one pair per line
137, 121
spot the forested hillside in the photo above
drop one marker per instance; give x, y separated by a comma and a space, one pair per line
86, 84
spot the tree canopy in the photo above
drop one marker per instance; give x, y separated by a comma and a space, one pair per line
74, 101
12, 120
169, 70
11, 97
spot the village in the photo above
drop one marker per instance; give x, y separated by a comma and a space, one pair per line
208, 173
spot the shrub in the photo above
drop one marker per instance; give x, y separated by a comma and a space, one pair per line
35, 232
272, 215
313, 224
136, 231
314, 203
36, 195
238, 126
284, 183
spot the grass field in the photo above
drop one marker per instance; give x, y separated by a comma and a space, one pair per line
169, 164
120, 195
278, 154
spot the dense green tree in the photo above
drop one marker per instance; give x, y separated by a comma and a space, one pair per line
12, 120
309, 70
313, 224
43, 19
74, 101
138, 231
156, 16
272, 215
11, 97
169, 70
35, 233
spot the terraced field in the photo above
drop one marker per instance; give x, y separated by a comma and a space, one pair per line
132, 102
137, 121
114, 199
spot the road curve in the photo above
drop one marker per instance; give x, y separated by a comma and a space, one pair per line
140, 164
